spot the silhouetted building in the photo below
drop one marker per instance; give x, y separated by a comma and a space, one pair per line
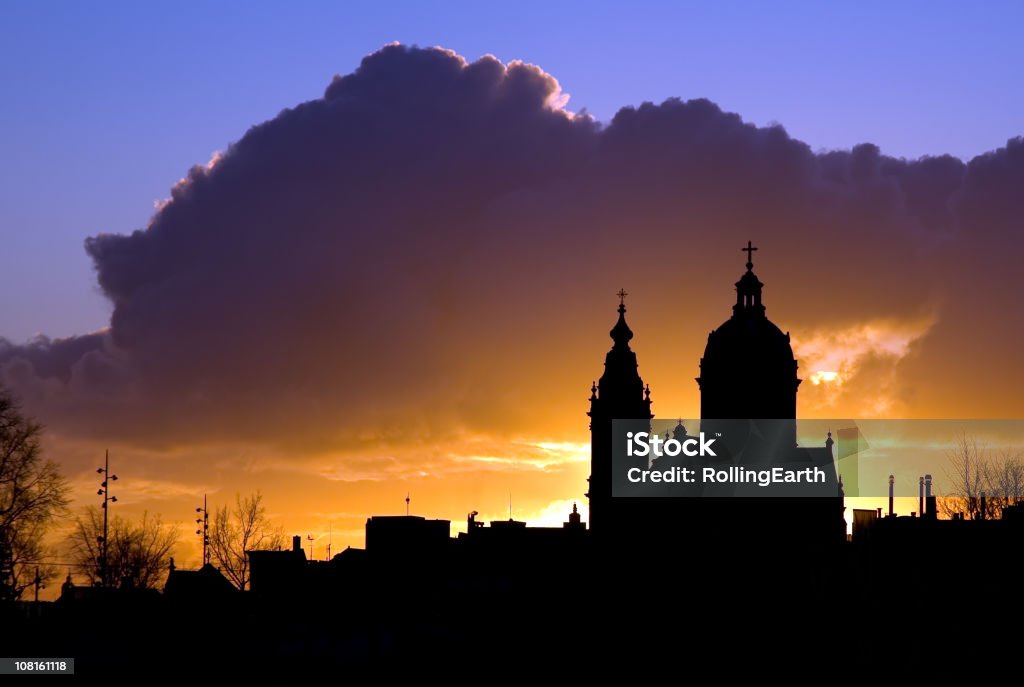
276, 573
748, 372
575, 521
406, 535
748, 385
620, 394
207, 583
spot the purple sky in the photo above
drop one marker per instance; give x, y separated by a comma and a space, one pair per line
106, 106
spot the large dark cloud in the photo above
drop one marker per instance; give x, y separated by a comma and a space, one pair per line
431, 248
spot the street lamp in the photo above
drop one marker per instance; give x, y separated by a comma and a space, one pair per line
204, 530
104, 491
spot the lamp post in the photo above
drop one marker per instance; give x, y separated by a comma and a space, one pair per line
107, 499
204, 530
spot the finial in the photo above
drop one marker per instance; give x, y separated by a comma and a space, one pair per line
574, 507
749, 250
647, 392
621, 333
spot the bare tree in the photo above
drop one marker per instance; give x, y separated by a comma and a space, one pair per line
32, 494
976, 471
1004, 482
138, 552
968, 476
239, 530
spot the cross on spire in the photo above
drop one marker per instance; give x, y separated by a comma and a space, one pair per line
622, 295
749, 250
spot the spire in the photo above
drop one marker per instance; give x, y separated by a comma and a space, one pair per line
620, 388
620, 394
575, 521
748, 288
621, 333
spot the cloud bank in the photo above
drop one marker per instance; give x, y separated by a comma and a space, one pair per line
427, 255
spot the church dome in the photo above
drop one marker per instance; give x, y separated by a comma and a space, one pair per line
749, 338
745, 340
748, 369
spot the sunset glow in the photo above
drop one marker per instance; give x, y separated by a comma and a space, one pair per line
399, 280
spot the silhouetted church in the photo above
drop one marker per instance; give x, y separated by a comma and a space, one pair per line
748, 387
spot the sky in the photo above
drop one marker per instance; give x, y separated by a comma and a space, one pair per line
108, 104
361, 271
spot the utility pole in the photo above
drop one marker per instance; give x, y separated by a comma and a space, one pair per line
107, 499
38, 582
204, 530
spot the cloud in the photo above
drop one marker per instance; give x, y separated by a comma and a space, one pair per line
428, 253
856, 365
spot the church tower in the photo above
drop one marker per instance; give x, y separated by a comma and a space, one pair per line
620, 394
748, 371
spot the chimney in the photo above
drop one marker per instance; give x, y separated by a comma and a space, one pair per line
930, 506
920, 495
297, 543
892, 482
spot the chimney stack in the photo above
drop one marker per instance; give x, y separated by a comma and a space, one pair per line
930, 507
920, 496
892, 482
297, 543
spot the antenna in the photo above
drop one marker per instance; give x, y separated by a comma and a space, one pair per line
510, 506
330, 536
309, 538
